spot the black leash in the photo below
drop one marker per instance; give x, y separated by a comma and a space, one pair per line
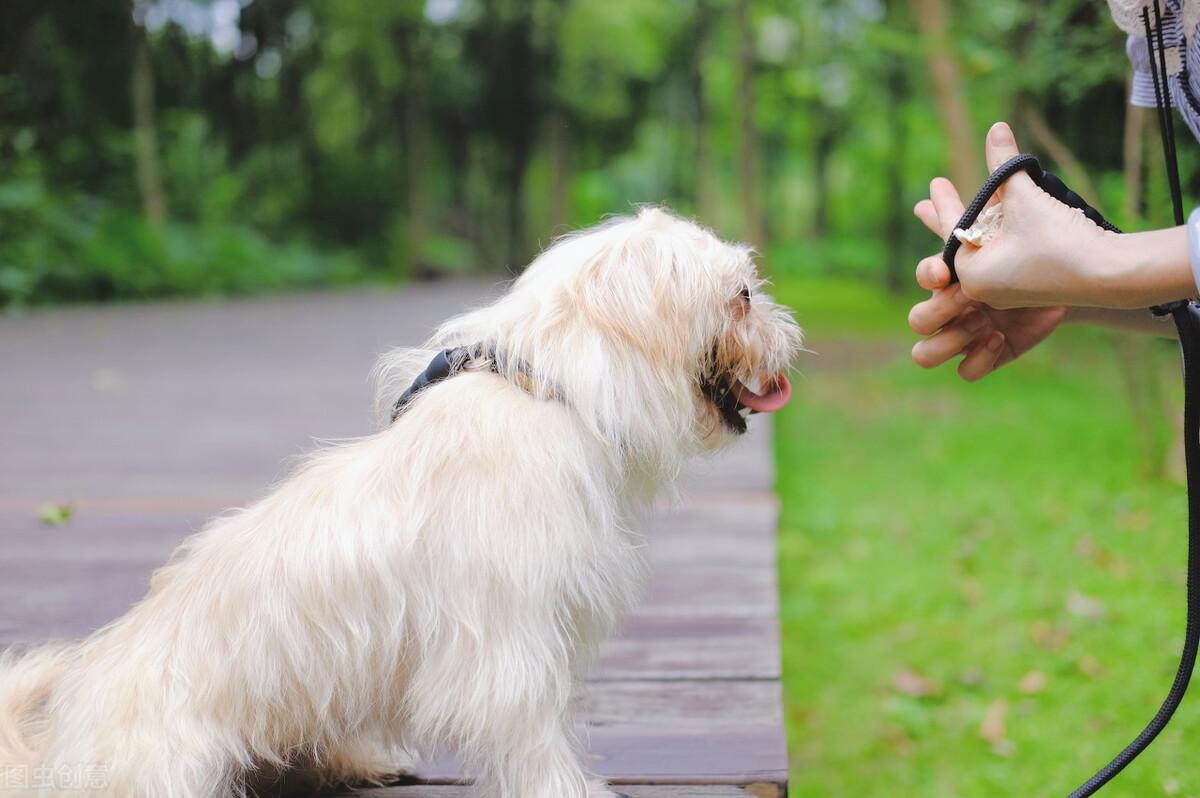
1187, 322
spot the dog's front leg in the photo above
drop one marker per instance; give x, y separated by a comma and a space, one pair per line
504, 701
541, 763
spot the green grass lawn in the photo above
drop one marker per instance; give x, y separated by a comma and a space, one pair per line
982, 589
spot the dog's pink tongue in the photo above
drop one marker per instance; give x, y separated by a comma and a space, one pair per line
777, 395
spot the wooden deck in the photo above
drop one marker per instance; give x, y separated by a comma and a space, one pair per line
149, 419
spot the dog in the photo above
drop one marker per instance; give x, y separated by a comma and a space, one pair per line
443, 583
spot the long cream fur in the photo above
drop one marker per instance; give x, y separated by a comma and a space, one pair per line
442, 583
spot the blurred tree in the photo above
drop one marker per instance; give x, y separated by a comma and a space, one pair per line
145, 135
934, 22
422, 137
748, 144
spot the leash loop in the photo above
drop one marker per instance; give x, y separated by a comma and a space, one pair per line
1046, 181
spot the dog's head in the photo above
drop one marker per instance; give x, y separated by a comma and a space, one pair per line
654, 330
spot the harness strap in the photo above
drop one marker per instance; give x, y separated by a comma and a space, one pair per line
445, 364
476, 357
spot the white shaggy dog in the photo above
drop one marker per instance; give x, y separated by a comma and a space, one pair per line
443, 582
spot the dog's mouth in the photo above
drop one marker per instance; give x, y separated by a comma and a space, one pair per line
735, 401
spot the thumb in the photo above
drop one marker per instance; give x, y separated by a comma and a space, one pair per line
1001, 145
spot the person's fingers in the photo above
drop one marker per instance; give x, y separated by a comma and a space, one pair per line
934, 313
953, 339
982, 357
1001, 145
925, 211
947, 203
933, 273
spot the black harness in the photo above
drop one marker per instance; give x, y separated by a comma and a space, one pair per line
1186, 315
449, 362
445, 364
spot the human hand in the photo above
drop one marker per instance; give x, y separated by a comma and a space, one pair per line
1044, 252
954, 322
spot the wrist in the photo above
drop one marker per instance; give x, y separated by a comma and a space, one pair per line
1137, 270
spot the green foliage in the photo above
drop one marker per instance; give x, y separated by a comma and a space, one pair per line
434, 136
79, 247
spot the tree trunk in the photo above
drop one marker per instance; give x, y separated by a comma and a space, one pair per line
560, 173
1134, 159
748, 144
705, 192
145, 137
514, 183
822, 155
898, 215
966, 165
416, 150
1048, 141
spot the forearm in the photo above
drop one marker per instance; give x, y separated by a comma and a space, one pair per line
1138, 270
1140, 320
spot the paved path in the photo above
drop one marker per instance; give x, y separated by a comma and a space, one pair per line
148, 419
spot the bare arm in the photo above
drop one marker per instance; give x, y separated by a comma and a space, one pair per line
1142, 321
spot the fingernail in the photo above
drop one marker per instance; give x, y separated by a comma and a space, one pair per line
1001, 135
995, 342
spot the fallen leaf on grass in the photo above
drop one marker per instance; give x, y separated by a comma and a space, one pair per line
1032, 682
1085, 606
972, 678
1045, 635
913, 684
55, 514
994, 728
1089, 666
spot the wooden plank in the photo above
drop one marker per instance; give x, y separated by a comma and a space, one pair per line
692, 648
708, 703
645, 754
83, 595
739, 530
631, 790
101, 563
712, 592
68, 599
686, 732
745, 466
149, 529
704, 592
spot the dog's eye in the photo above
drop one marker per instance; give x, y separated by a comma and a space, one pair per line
745, 294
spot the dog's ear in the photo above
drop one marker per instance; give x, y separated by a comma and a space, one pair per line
626, 292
